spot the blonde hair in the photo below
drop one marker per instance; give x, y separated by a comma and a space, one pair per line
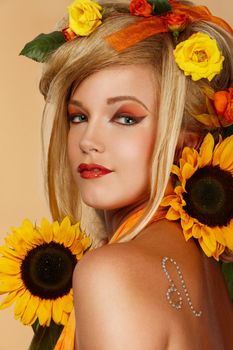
179, 99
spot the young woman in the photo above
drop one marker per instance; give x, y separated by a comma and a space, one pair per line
131, 87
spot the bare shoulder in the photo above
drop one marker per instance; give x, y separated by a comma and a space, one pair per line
119, 297
132, 267
121, 292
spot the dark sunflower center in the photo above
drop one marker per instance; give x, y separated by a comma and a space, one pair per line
209, 196
47, 270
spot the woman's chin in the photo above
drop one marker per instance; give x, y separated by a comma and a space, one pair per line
113, 204
101, 205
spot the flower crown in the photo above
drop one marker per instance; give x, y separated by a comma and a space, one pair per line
198, 56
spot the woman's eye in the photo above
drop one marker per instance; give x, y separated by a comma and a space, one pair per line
77, 118
127, 120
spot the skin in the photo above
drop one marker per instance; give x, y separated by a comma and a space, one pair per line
101, 133
120, 289
120, 296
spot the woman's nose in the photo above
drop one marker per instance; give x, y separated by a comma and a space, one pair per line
92, 140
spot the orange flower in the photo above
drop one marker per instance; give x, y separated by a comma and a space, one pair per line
140, 8
223, 102
68, 34
176, 23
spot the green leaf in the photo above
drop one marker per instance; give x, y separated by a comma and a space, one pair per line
160, 6
227, 269
45, 338
36, 326
43, 45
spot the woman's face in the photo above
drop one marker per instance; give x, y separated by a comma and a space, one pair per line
113, 125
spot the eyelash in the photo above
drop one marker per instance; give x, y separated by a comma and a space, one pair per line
135, 120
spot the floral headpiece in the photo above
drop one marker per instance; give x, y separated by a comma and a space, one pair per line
158, 16
198, 56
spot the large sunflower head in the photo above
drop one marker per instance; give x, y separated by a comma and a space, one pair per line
202, 199
36, 270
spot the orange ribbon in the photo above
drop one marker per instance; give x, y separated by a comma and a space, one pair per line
153, 25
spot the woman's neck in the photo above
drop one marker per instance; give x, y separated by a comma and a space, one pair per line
115, 217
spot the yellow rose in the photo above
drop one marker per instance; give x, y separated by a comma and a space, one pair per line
84, 16
199, 56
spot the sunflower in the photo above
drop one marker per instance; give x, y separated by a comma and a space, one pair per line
36, 270
203, 195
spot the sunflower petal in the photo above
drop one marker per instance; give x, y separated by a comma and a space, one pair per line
46, 230
21, 304
11, 298
204, 247
65, 224
67, 303
217, 152
197, 230
48, 305
9, 266
218, 251
76, 248
29, 316
57, 310
172, 214
187, 234
43, 312
206, 151
10, 253
167, 200
187, 171
56, 231
29, 234
228, 236
69, 237
208, 237
176, 205
187, 155
9, 284
176, 170
187, 222
86, 242
226, 155
220, 234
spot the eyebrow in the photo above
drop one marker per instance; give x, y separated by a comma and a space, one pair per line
112, 100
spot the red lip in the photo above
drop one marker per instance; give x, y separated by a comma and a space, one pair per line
90, 171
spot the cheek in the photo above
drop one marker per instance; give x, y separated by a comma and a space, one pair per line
72, 147
136, 150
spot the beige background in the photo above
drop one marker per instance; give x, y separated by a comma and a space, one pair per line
21, 185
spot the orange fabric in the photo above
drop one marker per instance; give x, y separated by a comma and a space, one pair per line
136, 32
149, 26
131, 221
66, 340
